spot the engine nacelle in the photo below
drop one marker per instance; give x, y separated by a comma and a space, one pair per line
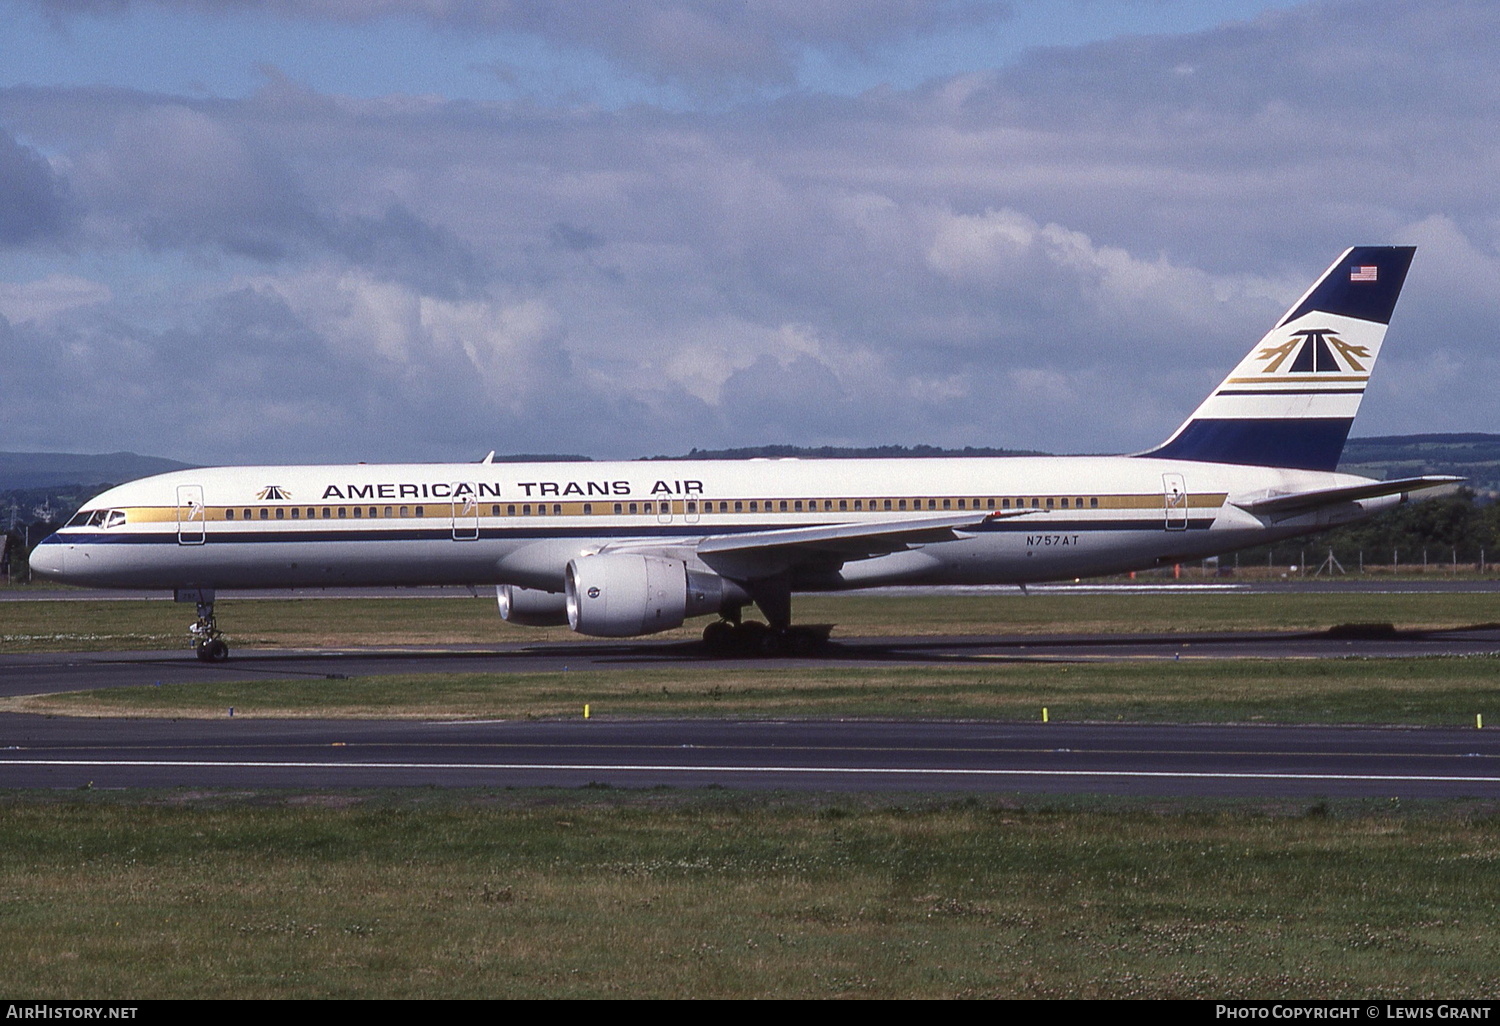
531, 608
624, 595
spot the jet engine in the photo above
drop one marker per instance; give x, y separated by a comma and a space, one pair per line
529, 607
624, 595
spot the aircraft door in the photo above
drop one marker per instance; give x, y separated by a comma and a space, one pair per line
465, 512
1175, 502
664, 511
192, 517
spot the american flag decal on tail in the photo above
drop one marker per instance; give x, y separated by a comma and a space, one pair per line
1365, 273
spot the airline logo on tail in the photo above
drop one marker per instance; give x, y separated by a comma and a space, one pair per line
1314, 348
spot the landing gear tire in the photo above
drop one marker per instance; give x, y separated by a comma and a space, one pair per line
212, 651
721, 638
753, 639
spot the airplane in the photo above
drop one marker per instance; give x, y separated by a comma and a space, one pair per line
626, 549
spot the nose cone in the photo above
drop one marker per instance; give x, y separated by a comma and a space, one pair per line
48, 557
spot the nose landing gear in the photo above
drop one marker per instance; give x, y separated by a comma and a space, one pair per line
207, 640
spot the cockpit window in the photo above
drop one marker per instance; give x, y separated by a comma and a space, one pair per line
115, 518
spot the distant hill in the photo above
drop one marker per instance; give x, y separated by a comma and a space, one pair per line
830, 452
1474, 456
20, 470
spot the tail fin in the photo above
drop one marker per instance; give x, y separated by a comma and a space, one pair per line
1291, 401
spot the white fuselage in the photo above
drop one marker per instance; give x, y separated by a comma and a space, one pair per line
521, 523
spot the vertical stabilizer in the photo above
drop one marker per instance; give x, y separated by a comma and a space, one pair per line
1291, 401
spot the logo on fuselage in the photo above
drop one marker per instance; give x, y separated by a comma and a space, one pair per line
271, 492
1311, 352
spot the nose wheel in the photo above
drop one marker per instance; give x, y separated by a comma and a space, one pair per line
208, 641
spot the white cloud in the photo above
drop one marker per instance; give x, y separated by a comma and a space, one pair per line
46, 297
1061, 255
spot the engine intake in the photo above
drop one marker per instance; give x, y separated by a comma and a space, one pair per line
624, 595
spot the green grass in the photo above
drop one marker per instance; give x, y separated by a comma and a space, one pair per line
1429, 691
550, 894
56, 626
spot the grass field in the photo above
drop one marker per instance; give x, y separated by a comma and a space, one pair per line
598, 892
44, 626
1435, 691
709, 894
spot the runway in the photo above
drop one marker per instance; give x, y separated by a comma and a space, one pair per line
802, 755
823, 756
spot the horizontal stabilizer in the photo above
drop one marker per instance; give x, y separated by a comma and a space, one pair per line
1318, 498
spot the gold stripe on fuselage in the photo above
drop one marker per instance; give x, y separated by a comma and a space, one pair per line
344, 514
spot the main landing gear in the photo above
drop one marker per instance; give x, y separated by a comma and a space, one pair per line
208, 641
732, 636
750, 638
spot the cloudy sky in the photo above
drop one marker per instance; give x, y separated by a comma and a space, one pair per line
334, 230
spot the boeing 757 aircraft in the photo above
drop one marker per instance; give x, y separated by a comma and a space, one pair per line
627, 549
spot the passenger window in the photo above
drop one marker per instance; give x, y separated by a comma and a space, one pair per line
407, 509
887, 503
843, 505
359, 511
1049, 503
265, 514
327, 512
989, 504
798, 504
557, 509
229, 514
1064, 502
754, 506
859, 504
692, 507
343, 512
588, 507
312, 514
280, 513
419, 511
634, 508
739, 507
526, 510
389, 511
296, 513
648, 507
948, 504
617, 507
372, 511
247, 514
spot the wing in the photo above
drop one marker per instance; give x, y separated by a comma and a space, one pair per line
1318, 498
763, 553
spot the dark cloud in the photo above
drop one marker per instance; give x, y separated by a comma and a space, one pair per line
400, 246
33, 200
703, 43
1063, 254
